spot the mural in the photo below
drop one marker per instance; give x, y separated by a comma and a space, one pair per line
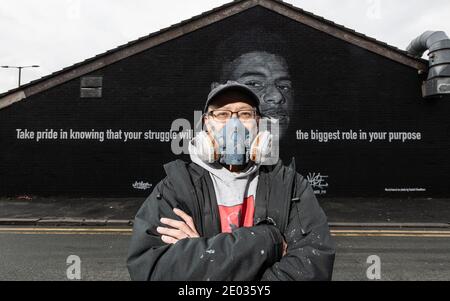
354, 120
252, 57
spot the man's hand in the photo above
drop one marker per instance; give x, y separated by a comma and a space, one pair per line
285, 246
179, 230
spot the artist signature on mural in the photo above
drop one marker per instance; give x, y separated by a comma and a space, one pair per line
142, 185
318, 182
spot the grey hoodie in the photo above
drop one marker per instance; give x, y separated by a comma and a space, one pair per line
235, 192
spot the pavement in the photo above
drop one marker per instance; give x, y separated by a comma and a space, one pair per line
27, 210
341, 212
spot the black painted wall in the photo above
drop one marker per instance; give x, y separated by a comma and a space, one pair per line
337, 86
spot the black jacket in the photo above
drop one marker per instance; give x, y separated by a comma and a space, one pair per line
285, 207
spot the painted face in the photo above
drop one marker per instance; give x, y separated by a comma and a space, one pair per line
268, 76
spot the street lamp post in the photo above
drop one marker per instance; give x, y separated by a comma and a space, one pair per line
20, 70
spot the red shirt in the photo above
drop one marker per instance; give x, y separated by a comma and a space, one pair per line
237, 216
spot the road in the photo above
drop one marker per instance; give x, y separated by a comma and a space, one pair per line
41, 254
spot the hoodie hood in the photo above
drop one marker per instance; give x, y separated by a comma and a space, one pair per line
231, 187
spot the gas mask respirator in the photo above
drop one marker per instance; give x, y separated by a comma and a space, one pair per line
235, 144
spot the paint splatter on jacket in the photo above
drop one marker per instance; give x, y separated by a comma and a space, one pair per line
286, 207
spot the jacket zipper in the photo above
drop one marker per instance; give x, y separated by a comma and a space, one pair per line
287, 206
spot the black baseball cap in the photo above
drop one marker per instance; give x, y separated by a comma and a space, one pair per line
233, 86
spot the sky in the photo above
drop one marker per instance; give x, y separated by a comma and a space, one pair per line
58, 33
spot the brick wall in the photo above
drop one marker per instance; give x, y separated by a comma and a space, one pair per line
337, 86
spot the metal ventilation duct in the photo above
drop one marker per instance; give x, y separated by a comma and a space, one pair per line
438, 44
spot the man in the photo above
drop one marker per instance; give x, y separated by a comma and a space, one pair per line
227, 215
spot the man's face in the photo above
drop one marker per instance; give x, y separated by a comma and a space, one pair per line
216, 125
268, 76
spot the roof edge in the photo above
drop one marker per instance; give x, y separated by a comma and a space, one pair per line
127, 50
197, 22
341, 32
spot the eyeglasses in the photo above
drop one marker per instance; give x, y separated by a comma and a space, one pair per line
225, 115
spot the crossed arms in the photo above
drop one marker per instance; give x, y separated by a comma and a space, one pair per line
166, 245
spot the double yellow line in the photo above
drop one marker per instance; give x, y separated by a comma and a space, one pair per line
66, 231
128, 231
391, 233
